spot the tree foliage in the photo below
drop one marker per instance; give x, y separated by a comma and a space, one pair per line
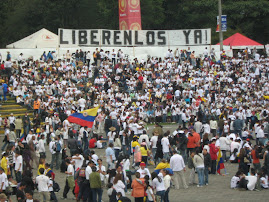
20, 18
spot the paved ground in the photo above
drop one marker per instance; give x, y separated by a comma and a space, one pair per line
217, 190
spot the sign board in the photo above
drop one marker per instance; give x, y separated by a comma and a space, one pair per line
129, 15
223, 23
102, 37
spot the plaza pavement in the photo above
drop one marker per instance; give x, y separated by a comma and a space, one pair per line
217, 190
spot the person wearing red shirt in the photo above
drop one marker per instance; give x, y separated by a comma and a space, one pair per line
92, 142
256, 160
213, 154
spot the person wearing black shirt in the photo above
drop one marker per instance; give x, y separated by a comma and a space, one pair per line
20, 192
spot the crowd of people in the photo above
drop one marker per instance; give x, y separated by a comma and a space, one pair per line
221, 106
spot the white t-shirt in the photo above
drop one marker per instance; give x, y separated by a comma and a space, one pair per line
3, 178
149, 192
78, 162
70, 169
50, 185
264, 182
251, 182
18, 163
234, 182
154, 141
88, 171
42, 182
103, 169
165, 144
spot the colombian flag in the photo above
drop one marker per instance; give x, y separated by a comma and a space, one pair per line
220, 162
84, 118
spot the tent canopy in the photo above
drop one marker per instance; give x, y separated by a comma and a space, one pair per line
40, 39
239, 41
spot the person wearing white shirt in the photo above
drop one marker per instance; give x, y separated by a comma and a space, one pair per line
260, 138
158, 184
178, 166
102, 170
248, 182
153, 141
145, 137
42, 182
77, 160
18, 166
70, 177
41, 146
3, 180
165, 145
143, 170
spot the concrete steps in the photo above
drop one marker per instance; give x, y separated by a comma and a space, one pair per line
10, 106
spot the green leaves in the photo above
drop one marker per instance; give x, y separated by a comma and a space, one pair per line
20, 18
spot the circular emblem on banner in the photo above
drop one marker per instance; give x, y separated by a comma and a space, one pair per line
123, 25
135, 26
134, 3
122, 5
85, 114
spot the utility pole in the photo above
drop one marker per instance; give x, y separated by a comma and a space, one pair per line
220, 27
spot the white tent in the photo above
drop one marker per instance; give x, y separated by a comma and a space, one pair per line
40, 39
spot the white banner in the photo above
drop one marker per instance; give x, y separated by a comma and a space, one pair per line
102, 37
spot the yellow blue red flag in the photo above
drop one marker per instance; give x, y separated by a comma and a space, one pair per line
220, 162
84, 118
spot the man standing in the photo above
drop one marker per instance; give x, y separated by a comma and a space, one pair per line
110, 156
69, 183
213, 154
18, 126
41, 146
42, 182
18, 166
26, 124
165, 146
177, 165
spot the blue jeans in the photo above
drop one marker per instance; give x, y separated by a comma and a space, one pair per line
166, 195
166, 155
95, 192
161, 194
117, 152
201, 177
164, 118
55, 158
206, 171
183, 153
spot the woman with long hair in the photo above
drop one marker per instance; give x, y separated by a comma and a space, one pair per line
118, 184
243, 161
158, 184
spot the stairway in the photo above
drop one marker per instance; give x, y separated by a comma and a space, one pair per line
6, 108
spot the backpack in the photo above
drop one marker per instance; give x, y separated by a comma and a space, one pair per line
56, 187
58, 147
82, 173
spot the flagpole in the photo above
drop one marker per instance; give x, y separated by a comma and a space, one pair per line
220, 27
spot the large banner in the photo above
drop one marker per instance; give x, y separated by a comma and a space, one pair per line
101, 37
129, 15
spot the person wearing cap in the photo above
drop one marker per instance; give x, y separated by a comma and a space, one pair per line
143, 170
111, 134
